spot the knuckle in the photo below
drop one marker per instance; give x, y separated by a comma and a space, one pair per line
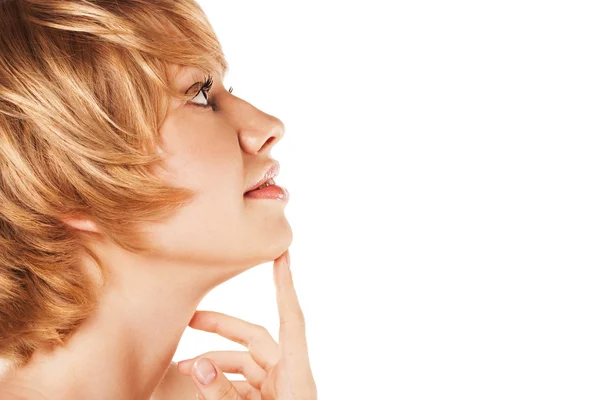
229, 393
295, 317
293, 325
253, 396
259, 332
208, 354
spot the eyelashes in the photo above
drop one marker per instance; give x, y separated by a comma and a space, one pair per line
205, 88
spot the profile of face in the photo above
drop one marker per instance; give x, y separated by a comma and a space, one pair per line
219, 146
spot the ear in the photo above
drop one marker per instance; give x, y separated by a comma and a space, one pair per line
82, 224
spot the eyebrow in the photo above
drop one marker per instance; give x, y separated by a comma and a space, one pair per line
194, 76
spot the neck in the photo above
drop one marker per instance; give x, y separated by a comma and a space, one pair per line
125, 348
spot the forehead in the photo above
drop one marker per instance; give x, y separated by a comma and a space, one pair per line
179, 74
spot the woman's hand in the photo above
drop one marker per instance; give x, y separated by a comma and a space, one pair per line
272, 371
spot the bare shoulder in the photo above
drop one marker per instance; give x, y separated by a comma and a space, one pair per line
13, 388
174, 386
8, 392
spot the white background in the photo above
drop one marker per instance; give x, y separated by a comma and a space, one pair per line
444, 169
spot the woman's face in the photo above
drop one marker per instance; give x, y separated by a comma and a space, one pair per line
219, 154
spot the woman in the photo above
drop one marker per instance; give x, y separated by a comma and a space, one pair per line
128, 191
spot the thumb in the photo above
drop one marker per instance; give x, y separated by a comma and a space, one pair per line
212, 384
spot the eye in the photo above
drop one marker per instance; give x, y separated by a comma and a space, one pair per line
202, 93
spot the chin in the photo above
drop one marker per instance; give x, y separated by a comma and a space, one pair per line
273, 245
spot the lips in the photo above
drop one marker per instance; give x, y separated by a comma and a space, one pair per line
267, 178
267, 183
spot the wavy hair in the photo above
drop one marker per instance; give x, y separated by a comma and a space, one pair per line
84, 88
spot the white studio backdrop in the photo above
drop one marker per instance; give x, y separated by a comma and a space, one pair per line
443, 163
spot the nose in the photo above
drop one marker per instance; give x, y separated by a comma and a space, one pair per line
259, 131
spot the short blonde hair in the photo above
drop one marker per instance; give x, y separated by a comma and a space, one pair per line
84, 88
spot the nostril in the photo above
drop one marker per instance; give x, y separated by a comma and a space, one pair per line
268, 142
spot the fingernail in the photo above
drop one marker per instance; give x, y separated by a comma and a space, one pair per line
204, 371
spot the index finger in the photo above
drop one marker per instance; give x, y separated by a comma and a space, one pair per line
292, 331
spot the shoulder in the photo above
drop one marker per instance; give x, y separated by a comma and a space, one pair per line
8, 392
174, 386
14, 387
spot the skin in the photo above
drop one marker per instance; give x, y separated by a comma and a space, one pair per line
272, 371
125, 350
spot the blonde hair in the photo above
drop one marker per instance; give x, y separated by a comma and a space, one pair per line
84, 88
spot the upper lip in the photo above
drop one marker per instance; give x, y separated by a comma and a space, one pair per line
271, 172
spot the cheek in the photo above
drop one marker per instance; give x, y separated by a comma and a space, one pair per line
203, 154
211, 222
207, 170
204, 162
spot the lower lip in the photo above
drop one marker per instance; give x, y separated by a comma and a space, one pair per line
272, 192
